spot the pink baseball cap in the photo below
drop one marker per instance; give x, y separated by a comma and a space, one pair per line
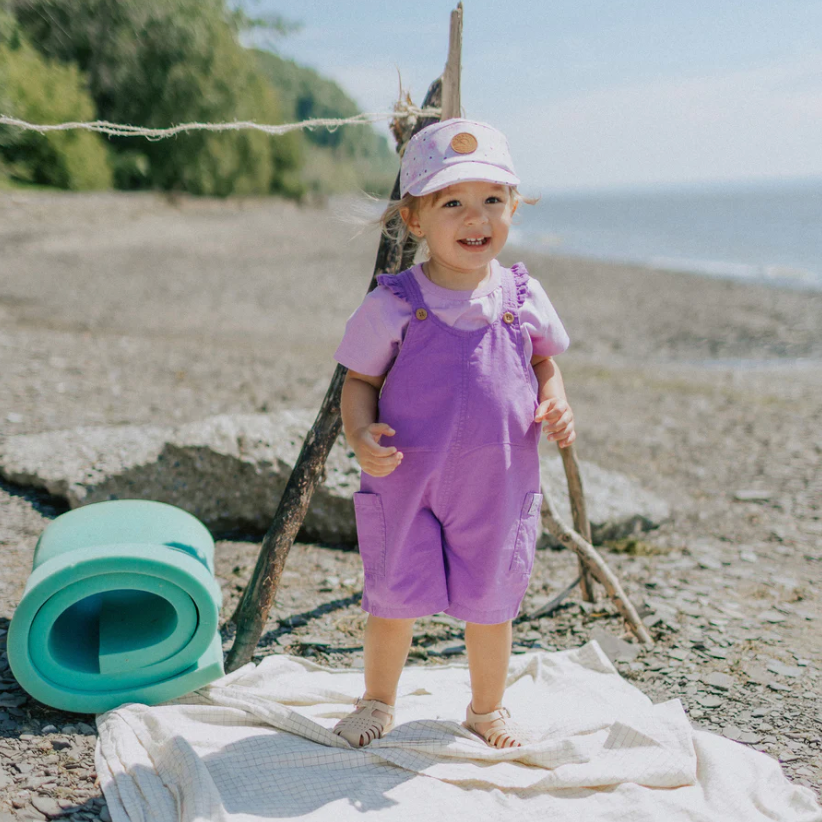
455, 151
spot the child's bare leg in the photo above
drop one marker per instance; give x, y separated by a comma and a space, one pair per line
489, 650
385, 650
386, 647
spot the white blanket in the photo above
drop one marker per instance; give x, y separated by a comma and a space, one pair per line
257, 745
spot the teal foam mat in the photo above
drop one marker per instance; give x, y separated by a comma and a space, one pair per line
121, 606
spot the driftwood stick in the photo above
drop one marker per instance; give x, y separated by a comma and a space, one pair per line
255, 604
553, 604
579, 514
596, 565
451, 76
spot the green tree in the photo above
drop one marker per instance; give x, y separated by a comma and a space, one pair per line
159, 63
42, 91
349, 157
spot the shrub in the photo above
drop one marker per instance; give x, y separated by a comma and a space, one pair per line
41, 91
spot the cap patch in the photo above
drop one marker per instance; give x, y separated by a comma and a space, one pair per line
464, 143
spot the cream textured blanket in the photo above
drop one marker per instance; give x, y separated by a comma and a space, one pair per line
257, 745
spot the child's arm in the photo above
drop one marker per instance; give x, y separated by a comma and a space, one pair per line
359, 412
553, 408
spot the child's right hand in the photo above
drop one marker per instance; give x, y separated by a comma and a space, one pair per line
375, 459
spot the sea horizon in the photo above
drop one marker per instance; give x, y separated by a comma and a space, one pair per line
765, 231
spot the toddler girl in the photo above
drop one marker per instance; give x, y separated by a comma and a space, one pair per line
451, 360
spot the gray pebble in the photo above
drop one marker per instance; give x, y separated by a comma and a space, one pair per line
777, 667
46, 805
719, 680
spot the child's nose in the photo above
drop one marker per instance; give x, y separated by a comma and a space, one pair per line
475, 215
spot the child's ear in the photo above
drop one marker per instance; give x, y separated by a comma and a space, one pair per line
514, 207
411, 220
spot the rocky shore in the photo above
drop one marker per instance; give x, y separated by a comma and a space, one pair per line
121, 310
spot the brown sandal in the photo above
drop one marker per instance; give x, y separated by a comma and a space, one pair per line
502, 734
361, 726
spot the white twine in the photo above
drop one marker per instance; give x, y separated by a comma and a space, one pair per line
402, 109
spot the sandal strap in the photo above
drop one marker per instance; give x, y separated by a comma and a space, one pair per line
503, 729
500, 713
375, 705
362, 726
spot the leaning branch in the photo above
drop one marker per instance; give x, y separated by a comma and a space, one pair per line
590, 557
255, 604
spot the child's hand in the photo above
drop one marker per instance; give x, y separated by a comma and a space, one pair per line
559, 421
375, 459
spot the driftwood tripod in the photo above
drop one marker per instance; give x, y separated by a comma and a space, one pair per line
257, 599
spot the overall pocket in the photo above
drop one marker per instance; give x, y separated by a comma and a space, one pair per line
370, 532
522, 560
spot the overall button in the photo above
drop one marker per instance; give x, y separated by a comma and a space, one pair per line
421, 313
508, 317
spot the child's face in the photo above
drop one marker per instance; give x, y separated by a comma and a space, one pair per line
465, 225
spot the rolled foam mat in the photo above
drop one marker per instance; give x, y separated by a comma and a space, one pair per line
121, 606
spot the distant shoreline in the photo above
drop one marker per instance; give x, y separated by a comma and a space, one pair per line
731, 272
766, 233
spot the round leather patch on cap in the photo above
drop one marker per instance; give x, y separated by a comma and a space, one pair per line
464, 143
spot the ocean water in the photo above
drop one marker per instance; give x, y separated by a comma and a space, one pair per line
768, 233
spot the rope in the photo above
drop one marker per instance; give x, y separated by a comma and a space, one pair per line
401, 109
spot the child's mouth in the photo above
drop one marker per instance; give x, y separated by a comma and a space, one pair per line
478, 242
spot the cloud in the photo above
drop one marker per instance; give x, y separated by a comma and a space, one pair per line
761, 122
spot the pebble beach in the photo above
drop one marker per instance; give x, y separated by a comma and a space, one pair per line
134, 309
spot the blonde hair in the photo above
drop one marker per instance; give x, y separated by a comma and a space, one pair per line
396, 229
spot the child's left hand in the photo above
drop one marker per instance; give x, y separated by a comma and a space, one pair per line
559, 421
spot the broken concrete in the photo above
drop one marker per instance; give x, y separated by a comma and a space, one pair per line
230, 471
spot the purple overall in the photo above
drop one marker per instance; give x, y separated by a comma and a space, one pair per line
453, 528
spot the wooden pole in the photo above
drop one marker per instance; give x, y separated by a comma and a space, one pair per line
453, 68
595, 564
255, 604
579, 514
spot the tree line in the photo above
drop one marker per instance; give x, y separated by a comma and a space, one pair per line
158, 63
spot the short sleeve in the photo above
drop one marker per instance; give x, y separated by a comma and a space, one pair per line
540, 320
373, 333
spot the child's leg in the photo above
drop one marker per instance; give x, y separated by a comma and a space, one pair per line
386, 648
489, 649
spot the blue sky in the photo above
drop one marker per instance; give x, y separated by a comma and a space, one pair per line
597, 94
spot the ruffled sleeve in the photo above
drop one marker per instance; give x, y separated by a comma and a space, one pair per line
521, 278
393, 283
374, 332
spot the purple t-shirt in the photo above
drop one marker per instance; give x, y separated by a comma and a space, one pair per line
375, 331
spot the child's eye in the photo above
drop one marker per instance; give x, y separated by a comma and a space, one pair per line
494, 199
451, 204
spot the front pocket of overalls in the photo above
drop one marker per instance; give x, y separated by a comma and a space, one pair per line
530, 522
370, 532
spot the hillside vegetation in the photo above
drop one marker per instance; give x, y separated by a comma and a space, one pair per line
158, 63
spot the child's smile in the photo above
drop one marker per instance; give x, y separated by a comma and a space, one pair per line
465, 225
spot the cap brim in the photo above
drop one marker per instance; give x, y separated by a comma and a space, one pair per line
463, 173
